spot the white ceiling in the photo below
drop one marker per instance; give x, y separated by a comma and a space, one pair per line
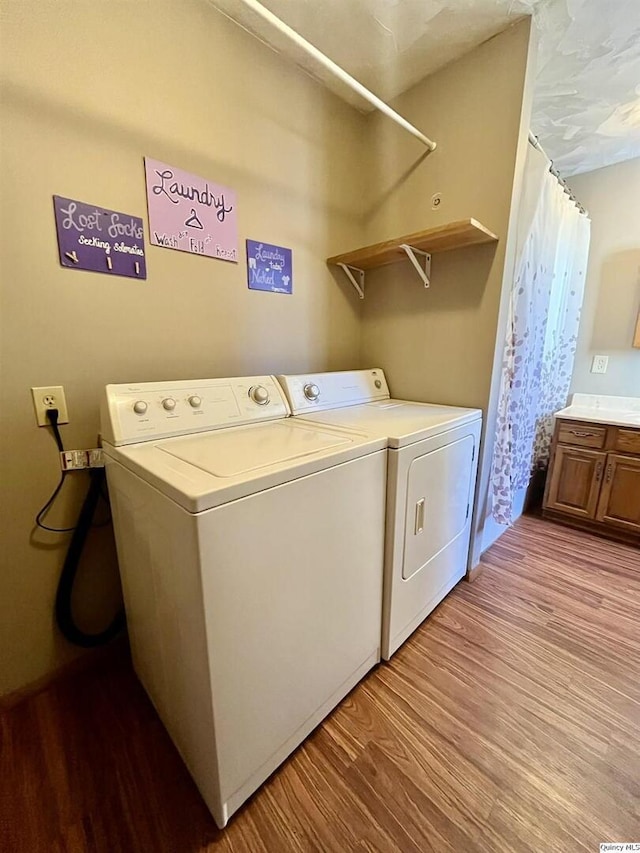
587, 101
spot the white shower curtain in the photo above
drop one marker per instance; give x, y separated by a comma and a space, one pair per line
542, 329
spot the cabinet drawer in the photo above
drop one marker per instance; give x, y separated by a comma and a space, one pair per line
627, 441
582, 435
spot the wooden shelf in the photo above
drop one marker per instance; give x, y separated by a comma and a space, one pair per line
453, 235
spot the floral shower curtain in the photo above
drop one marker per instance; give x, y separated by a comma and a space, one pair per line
542, 329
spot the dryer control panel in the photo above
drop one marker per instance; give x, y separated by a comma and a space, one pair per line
321, 391
150, 410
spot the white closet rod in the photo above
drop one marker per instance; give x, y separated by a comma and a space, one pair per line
338, 72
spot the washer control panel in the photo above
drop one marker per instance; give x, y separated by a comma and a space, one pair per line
150, 410
321, 391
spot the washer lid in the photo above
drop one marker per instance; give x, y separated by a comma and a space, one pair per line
203, 471
233, 452
401, 422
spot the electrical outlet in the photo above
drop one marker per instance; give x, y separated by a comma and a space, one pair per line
600, 364
49, 397
436, 201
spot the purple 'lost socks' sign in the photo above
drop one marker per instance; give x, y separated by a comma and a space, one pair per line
95, 238
269, 267
190, 213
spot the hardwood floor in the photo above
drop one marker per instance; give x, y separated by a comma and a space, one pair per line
510, 721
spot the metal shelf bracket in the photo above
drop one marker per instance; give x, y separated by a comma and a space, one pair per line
425, 274
359, 283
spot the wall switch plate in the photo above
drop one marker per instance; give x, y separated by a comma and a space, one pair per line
600, 364
49, 397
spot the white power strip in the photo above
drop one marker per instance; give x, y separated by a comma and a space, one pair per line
76, 460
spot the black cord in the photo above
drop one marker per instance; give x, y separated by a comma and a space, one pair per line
41, 514
52, 417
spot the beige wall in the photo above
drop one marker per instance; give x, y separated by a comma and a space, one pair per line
440, 344
87, 90
612, 292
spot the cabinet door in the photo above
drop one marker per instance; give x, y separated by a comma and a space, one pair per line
575, 481
619, 502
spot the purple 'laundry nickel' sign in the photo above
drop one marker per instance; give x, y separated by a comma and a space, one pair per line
269, 267
97, 239
189, 213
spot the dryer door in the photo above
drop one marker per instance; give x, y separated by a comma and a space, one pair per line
438, 503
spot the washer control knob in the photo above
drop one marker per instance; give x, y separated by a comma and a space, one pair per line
195, 401
140, 407
311, 391
168, 404
378, 384
259, 394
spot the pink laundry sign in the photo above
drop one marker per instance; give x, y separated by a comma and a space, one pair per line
189, 213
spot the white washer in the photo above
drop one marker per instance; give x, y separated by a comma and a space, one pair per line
432, 466
250, 547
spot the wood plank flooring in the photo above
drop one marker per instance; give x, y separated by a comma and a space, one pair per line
510, 721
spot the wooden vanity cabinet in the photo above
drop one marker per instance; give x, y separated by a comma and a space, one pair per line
575, 481
594, 478
619, 502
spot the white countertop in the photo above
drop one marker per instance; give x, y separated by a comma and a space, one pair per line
620, 411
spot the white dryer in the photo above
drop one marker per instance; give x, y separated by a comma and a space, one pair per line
250, 547
431, 476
